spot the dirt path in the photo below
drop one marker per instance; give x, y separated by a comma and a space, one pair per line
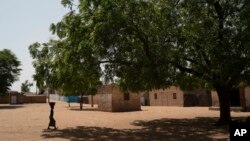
29, 122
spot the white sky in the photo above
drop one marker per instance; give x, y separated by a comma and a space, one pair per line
23, 22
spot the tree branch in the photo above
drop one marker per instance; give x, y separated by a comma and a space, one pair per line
237, 9
189, 70
220, 15
142, 37
115, 62
191, 60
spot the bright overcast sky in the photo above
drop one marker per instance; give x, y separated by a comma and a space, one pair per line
23, 22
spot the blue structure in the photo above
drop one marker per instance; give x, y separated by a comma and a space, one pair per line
70, 98
73, 99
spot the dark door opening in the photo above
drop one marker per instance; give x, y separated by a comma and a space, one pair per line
235, 97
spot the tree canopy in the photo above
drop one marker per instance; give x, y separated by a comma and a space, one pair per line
153, 44
9, 70
25, 86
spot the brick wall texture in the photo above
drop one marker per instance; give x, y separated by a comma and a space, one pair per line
244, 98
23, 99
111, 98
165, 97
174, 96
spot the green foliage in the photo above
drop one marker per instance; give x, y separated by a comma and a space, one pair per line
25, 87
41, 91
9, 70
42, 64
151, 44
66, 64
215, 42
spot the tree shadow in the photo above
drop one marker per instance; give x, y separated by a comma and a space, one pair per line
11, 106
155, 130
96, 109
85, 108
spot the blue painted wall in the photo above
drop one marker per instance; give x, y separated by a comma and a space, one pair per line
71, 98
57, 97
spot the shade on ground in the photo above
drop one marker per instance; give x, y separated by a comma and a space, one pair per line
29, 122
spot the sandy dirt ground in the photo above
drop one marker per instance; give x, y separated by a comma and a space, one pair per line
29, 122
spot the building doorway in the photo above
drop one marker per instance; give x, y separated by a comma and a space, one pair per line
235, 97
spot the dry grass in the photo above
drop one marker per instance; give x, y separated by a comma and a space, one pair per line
29, 122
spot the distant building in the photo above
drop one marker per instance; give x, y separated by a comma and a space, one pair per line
15, 97
55, 95
144, 98
239, 97
108, 98
111, 98
58, 97
174, 96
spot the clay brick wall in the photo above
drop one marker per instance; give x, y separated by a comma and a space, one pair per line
165, 97
246, 91
104, 102
119, 104
215, 99
199, 97
4, 100
34, 99
111, 98
173, 96
204, 97
104, 98
190, 100
144, 96
247, 98
104, 89
19, 98
24, 98
156, 98
95, 99
39, 99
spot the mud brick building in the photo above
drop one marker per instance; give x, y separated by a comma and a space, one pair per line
111, 98
239, 97
14, 97
174, 96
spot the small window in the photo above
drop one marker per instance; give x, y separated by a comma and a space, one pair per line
126, 96
174, 96
155, 95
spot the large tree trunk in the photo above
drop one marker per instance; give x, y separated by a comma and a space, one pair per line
224, 99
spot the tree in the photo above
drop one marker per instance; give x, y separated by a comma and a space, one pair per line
153, 44
25, 87
64, 66
9, 70
215, 42
43, 76
173, 41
